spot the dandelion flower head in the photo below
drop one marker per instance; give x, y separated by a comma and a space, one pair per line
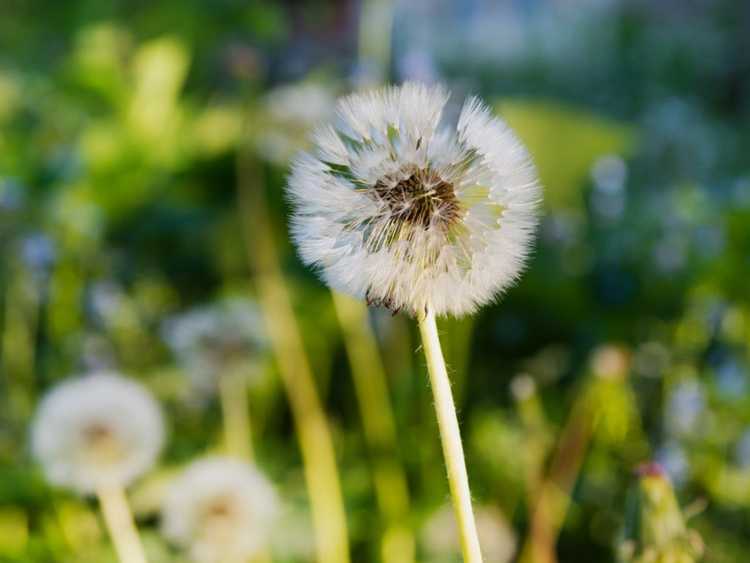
96, 431
397, 207
220, 509
221, 338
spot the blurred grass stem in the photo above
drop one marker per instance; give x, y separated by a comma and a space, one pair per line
553, 498
235, 412
17, 345
375, 27
316, 443
371, 389
450, 436
121, 526
238, 435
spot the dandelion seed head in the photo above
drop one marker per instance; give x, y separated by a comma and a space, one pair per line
440, 536
393, 206
97, 431
291, 111
222, 338
220, 509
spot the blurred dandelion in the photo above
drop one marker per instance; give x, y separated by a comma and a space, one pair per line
291, 111
392, 208
222, 347
222, 338
95, 435
441, 541
220, 510
96, 431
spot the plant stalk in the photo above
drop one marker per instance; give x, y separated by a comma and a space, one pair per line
120, 524
450, 437
236, 418
311, 424
371, 390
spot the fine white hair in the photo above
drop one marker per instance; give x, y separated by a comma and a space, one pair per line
220, 509
96, 431
395, 207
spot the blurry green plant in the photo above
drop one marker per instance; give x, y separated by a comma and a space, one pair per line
655, 530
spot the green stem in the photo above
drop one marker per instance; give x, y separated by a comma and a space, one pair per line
311, 424
371, 390
120, 524
375, 26
238, 440
234, 407
450, 437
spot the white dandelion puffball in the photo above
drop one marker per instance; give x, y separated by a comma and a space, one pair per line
442, 543
394, 207
222, 338
220, 509
96, 431
291, 111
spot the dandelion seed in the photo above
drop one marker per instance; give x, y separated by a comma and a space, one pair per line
394, 207
220, 509
97, 431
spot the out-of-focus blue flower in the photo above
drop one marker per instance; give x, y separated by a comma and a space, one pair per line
684, 407
670, 253
11, 195
742, 450
731, 378
38, 252
671, 456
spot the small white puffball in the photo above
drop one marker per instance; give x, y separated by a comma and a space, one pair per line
441, 541
290, 112
95, 431
394, 206
220, 509
226, 337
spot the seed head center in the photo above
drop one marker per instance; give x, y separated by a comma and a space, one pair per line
421, 199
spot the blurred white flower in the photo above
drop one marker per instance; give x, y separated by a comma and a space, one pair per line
97, 431
292, 111
610, 361
522, 387
394, 208
441, 542
220, 509
223, 338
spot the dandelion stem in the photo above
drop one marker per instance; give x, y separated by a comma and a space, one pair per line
450, 437
121, 526
238, 436
371, 389
234, 407
316, 443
